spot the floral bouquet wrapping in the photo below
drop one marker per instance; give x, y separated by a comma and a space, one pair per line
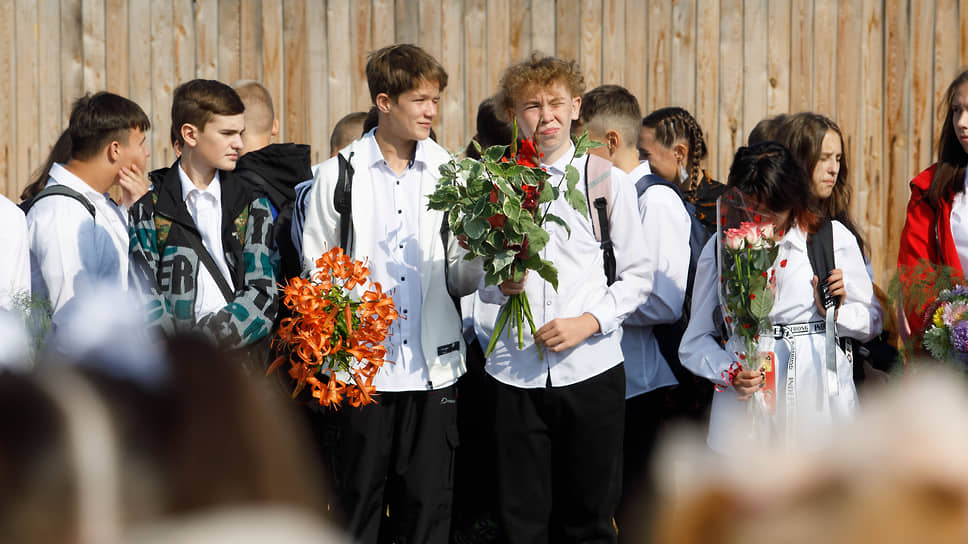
747, 282
335, 340
500, 206
946, 320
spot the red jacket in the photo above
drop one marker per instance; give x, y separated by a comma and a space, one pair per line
926, 237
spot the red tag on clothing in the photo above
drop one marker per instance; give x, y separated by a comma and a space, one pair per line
768, 368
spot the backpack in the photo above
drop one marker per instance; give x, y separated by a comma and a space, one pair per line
878, 352
598, 192
693, 394
57, 190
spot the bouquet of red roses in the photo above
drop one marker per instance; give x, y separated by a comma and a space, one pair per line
500, 205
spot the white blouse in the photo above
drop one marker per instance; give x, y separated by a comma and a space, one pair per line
959, 224
858, 317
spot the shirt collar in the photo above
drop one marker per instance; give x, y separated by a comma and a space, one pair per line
65, 177
214, 188
375, 152
558, 167
640, 171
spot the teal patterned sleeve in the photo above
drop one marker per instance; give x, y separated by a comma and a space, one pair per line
143, 264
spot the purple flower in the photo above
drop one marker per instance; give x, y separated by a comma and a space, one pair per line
959, 336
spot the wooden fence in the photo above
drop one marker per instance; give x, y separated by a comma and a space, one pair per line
879, 67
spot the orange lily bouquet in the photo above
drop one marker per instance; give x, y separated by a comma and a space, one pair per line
332, 332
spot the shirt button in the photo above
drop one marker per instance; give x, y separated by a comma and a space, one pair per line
404, 310
401, 246
399, 211
398, 182
405, 342
548, 303
403, 278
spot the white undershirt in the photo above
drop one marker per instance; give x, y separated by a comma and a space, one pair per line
959, 224
205, 207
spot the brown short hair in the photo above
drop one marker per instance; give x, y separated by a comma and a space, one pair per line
259, 113
612, 107
196, 101
101, 118
347, 129
537, 71
398, 68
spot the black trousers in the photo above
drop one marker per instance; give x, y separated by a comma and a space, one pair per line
392, 465
559, 459
643, 417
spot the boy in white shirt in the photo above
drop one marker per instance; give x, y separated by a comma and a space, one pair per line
201, 248
398, 453
559, 419
611, 115
81, 240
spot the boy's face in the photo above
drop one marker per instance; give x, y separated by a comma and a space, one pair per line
219, 144
546, 113
412, 114
135, 152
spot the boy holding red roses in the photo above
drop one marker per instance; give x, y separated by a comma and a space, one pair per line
559, 412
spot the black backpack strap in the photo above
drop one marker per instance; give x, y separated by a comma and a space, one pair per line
820, 251
600, 206
343, 198
61, 190
206, 258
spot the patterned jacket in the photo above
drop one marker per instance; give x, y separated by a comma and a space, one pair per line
167, 275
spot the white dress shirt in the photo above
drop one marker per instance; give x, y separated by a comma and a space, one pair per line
793, 303
15, 274
664, 244
71, 251
394, 262
205, 207
959, 225
581, 288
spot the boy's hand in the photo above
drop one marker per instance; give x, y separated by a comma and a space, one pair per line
134, 185
566, 332
746, 383
511, 287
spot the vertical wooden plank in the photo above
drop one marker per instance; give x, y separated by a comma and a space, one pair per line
707, 82
898, 170
340, 86
384, 23
71, 48
682, 68
590, 42
273, 66
430, 26
498, 40
140, 84
116, 46
568, 26
520, 28
229, 40
825, 57
184, 47
27, 142
637, 63
922, 84
361, 14
802, 82
755, 65
869, 204
475, 47
162, 74
207, 38
48, 51
731, 130
9, 183
850, 96
963, 33
947, 61
407, 21
660, 21
544, 26
317, 71
92, 14
250, 38
778, 53
294, 40
457, 127
614, 54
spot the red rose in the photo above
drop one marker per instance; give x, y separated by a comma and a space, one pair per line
523, 253
493, 197
527, 154
497, 221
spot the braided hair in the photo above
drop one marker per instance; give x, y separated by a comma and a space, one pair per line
673, 124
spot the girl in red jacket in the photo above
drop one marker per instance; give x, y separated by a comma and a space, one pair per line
936, 228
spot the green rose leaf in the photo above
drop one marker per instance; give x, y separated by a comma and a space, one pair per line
548, 272
476, 228
555, 219
494, 153
761, 305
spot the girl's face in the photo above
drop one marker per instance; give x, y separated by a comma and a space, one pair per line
662, 160
828, 166
959, 115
